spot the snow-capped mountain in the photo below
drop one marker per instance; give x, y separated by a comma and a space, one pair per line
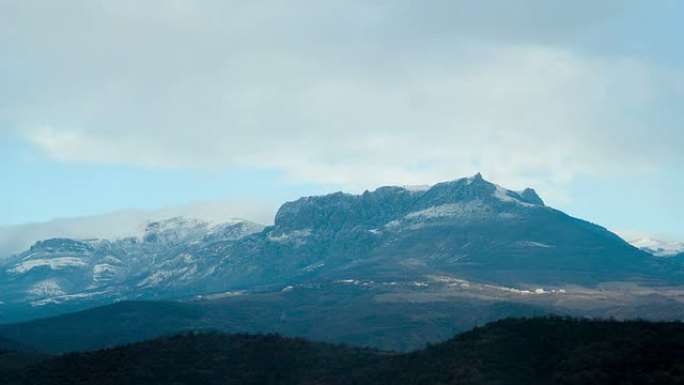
467, 229
659, 248
166, 255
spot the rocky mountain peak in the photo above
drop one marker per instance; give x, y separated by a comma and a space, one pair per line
531, 196
191, 230
60, 245
477, 188
378, 207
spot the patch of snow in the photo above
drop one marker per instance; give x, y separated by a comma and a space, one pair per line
68, 297
295, 236
172, 276
537, 291
103, 271
534, 244
446, 279
416, 188
155, 279
503, 195
227, 294
52, 263
462, 209
508, 289
314, 266
394, 223
175, 224
48, 287
110, 259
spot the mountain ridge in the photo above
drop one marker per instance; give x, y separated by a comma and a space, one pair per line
468, 228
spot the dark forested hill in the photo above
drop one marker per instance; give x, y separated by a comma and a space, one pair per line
7, 344
512, 351
15, 356
352, 316
106, 326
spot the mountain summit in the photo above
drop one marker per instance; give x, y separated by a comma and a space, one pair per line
393, 203
469, 228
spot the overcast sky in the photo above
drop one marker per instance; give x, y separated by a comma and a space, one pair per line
117, 105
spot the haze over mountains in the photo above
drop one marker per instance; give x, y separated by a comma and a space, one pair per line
464, 244
119, 224
659, 248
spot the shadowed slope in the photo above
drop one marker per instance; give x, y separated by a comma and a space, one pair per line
512, 351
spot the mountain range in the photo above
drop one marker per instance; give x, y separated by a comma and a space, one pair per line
463, 252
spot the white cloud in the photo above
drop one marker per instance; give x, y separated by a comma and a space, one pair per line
357, 94
635, 235
126, 223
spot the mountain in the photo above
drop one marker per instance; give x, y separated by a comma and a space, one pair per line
659, 248
507, 352
467, 230
70, 274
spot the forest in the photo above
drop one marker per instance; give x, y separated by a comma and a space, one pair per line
542, 350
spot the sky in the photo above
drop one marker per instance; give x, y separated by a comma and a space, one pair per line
228, 108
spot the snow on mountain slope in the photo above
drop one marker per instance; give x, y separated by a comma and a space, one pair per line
467, 228
658, 248
167, 253
52, 263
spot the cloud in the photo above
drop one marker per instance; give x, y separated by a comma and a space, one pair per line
355, 93
631, 235
126, 223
